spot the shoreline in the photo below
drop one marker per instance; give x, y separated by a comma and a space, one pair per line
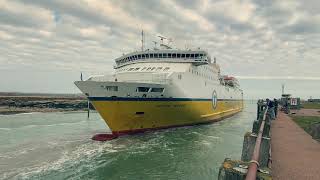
14, 111
10, 105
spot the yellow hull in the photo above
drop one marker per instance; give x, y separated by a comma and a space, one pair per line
131, 116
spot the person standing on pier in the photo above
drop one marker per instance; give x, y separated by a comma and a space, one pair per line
275, 107
270, 105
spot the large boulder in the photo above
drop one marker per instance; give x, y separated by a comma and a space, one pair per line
315, 131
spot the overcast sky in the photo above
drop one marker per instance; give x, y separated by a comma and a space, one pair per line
44, 44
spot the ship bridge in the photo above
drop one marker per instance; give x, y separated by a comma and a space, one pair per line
196, 57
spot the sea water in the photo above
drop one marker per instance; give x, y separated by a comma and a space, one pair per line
58, 146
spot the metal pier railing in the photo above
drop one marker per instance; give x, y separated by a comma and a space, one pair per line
254, 163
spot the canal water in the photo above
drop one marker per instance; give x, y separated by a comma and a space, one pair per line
58, 146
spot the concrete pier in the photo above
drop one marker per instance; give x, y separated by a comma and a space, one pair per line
255, 158
248, 146
295, 155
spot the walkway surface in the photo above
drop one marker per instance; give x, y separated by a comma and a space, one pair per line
295, 155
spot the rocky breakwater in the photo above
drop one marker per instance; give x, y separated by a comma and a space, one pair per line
25, 104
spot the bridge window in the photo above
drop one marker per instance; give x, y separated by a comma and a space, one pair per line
151, 55
142, 89
196, 55
160, 55
169, 55
187, 55
147, 55
139, 56
183, 55
174, 55
165, 55
143, 56
178, 55
155, 55
192, 55
160, 90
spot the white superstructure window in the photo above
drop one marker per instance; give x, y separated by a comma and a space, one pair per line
157, 90
143, 89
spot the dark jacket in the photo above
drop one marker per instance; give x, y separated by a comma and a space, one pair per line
271, 104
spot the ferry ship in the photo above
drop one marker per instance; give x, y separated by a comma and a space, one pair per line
162, 88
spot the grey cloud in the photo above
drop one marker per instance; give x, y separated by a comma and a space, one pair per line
306, 26
83, 38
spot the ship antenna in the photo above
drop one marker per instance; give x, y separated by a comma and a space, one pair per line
142, 40
155, 44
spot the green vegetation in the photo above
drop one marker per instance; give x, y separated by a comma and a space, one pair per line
310, 105
306, 121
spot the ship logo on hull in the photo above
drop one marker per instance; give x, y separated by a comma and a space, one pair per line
214, 99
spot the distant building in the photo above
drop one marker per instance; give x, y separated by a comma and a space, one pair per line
313, 100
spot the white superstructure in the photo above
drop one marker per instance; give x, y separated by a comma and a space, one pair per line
163, 73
